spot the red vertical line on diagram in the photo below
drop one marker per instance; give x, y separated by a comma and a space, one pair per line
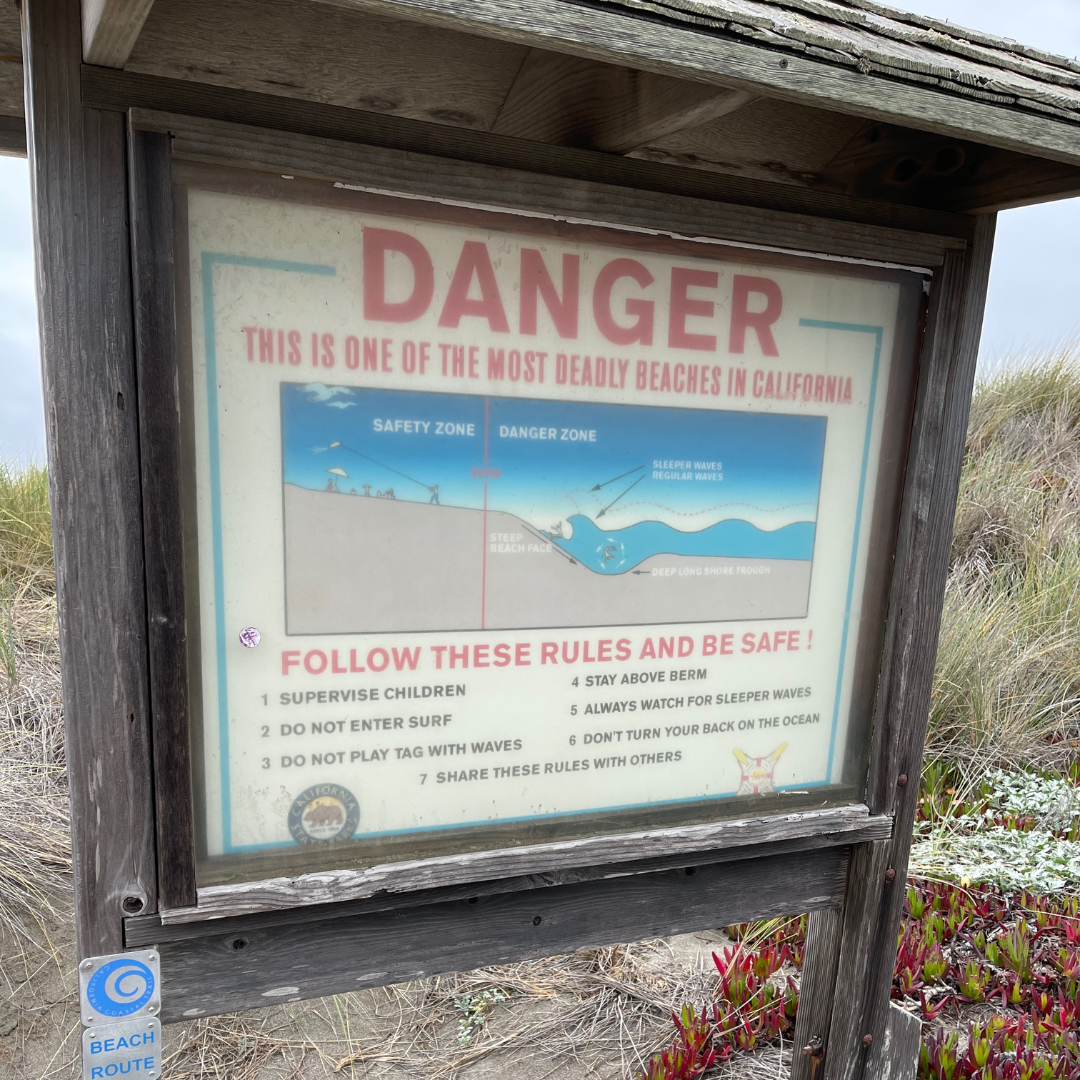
483, 565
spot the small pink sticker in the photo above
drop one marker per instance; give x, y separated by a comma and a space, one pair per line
250, 637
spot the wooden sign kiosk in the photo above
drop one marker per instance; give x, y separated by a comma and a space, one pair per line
573, 394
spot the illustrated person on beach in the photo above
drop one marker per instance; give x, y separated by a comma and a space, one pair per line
757, 772
433, 489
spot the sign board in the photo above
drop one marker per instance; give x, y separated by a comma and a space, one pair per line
542, 543
129, 1048
510, 525
120, 986
119, 999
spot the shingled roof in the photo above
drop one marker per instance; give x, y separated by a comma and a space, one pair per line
875, 39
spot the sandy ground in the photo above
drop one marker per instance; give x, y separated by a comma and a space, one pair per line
366, 565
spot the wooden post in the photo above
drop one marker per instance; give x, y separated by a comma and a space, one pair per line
950, 353
896, 1056
150, 170
862, 913
79, 190
817, 985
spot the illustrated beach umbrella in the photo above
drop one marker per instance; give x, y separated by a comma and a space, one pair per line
335, 472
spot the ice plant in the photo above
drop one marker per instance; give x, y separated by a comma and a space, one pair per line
1019, 954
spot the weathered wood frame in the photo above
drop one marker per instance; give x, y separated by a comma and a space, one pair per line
400, 867
106, 315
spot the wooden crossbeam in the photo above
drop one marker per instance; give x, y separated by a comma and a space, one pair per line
12, 136
111, 28
571, 101
888, 163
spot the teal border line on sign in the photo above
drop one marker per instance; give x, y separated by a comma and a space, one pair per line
210, 259
879, 335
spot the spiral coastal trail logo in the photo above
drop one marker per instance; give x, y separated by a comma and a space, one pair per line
120, 987
323, 813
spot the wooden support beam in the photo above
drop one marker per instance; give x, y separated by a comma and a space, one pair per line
12, 136
78, 185
561, 193
571, 101
111, 28
845, 1050
877, 876
817, 989
268, 116
250, 967
142, 931
842, 825
615, 36
954, 327
11, 86
894, 164
896, 1057
157, 366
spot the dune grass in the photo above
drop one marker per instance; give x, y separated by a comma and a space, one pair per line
1007, 687
34, 852
26, 559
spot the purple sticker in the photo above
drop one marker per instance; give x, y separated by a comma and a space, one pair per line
250, 637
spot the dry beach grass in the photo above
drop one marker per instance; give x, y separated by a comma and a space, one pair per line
1008, 677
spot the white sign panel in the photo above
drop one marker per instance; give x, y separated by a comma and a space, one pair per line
503, 527
130, 1048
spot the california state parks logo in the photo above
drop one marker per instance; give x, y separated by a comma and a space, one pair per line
322, 813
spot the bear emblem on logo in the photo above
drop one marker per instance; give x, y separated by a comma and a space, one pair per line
323, 813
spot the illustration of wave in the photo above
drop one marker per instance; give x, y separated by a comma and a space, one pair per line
617, 551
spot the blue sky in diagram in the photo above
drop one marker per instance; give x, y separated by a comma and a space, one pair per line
770, 464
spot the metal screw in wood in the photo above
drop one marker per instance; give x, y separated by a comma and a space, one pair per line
815, 1051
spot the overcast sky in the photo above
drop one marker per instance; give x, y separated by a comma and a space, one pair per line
1034, 287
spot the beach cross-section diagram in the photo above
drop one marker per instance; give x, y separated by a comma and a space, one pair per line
409, 511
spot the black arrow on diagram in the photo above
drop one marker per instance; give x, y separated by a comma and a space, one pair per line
618, 497
554, 546
614, 478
